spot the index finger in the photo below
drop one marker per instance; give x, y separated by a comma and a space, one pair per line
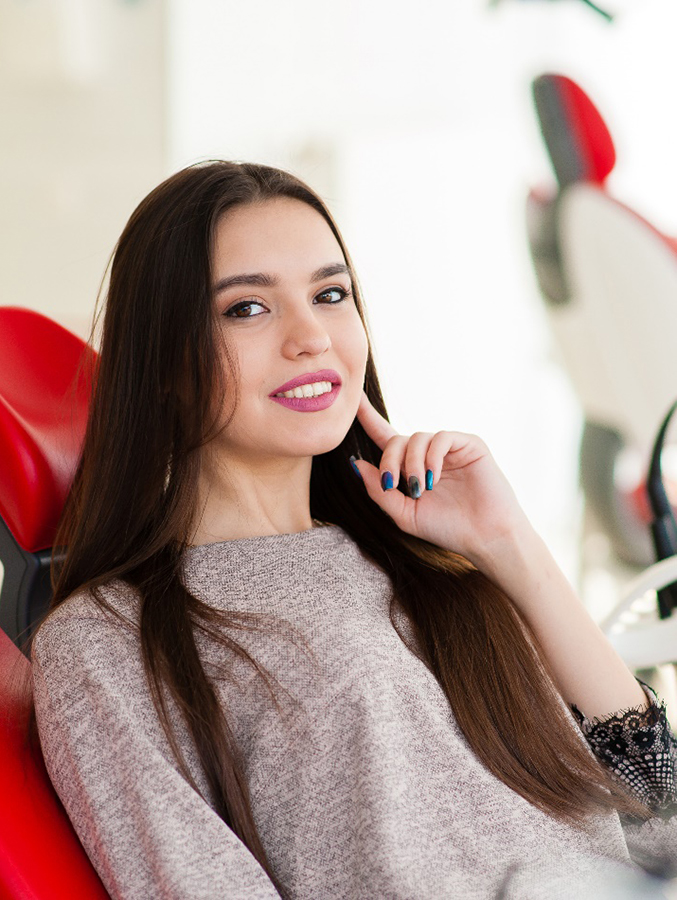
379, 429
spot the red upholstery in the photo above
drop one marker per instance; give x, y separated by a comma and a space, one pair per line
592, 136
41, 857
576, 135
43, 412
42, 420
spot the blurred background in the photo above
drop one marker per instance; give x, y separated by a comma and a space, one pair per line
414, 122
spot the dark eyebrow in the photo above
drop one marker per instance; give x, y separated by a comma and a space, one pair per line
260, 279
332, 269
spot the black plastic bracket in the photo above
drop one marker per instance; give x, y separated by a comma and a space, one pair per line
26, 588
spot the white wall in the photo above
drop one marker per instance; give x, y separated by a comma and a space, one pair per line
82, 107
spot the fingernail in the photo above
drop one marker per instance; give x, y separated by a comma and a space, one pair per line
387, 481
429, 480
414, 487
355, 469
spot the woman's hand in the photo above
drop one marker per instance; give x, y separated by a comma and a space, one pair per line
470, 508
473, 511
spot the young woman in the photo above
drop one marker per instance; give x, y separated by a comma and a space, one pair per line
291, 651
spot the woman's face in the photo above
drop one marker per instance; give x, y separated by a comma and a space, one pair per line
286, 312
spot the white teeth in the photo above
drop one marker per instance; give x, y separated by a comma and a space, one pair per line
308, 390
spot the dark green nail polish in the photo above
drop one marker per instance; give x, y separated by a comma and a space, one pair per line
414, 487
387, 481
429, 480
355, 469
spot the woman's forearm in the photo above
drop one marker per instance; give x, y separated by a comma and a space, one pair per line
587, 669
471, 509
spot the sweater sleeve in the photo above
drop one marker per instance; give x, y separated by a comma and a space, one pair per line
640, 749
148, 833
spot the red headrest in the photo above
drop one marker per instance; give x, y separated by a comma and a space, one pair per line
45, 385
40, 854
578, 141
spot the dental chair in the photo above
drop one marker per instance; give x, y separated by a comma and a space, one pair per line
609, 282
45, 378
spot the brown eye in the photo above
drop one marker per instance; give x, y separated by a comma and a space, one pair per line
243, 310
332, 295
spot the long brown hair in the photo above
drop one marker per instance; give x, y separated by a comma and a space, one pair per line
131, 506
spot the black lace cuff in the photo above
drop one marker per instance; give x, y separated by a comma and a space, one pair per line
641, 751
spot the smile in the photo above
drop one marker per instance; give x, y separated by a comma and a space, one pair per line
309, 397
315, 389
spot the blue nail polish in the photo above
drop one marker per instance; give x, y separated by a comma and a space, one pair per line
355, 469
414, 487
387, 481
429, 480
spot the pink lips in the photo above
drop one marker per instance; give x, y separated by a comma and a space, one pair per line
308, 378
309, 404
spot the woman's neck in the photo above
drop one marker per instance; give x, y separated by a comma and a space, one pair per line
240, 501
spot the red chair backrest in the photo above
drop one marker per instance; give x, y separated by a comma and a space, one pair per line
575, 134
41, 857
45, 379
45, 384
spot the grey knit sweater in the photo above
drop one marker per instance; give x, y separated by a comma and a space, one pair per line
362, 784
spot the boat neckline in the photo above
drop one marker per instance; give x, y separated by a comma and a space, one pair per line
324, 528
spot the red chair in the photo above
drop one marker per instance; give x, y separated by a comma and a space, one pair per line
45, 378
45, 383
609, 281
41, 857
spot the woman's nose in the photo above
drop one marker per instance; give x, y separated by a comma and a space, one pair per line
304, 333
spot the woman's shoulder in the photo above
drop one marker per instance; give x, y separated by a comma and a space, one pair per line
108, 611
88, 678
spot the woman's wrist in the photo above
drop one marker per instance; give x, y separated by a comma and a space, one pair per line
521, 564
514, 558
585, 666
